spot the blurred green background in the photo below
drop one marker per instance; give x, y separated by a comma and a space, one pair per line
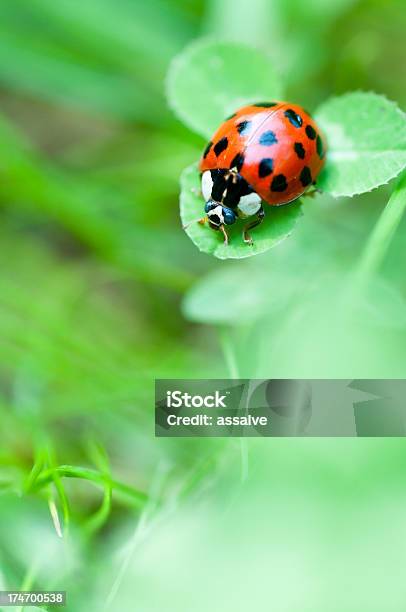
101, 292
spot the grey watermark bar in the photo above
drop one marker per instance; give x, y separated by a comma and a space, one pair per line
32, 598
280, 407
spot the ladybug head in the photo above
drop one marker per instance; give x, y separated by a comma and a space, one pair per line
219, 215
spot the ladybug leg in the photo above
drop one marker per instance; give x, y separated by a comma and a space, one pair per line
260, 217
224, 234
309, 194
313, 191
202, 221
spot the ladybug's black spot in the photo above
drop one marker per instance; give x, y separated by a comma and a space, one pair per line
265, 167
207, 149
311, 132
221, 146
294, 118
243, 127
299, 150
305, 176
265, 104
319, 146
279, 183
237, 161
230, 117
268, 138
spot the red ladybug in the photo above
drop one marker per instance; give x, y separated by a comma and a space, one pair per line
267, 152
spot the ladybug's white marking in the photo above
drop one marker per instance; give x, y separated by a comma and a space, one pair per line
216, 212
207, 185
249, 205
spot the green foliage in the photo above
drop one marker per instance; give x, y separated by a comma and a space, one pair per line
245, 294
279, 223
237, 295
208, 81
238, 286
297, 36
366, 136
36, 186
68, 52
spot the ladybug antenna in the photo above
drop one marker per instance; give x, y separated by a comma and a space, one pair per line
202, 221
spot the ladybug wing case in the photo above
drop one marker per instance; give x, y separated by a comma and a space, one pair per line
285, 156
226, 148
276, 147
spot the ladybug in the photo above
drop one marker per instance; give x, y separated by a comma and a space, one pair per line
268, 152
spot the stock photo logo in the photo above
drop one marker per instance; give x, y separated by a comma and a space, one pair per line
232, 408
279, 407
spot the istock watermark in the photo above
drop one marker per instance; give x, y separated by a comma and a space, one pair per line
177, 399
224, 407
280, 407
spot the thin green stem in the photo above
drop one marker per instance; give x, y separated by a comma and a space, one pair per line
100, 517
63, 498
383, 232
231, 362
138, 498
28, 582
228, 352
36, 470
98, 455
